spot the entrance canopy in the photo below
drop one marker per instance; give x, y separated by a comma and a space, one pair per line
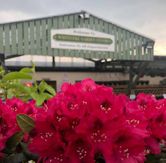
74, 35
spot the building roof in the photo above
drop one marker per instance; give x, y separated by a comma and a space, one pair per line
34, 37
79, 12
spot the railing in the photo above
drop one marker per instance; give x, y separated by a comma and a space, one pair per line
152, 89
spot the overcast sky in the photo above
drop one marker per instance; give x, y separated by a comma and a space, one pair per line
144, 16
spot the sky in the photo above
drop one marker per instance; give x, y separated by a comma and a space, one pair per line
147, 17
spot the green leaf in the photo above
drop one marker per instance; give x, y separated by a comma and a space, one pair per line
20, 87
18, 90
39, 98
13, 141
34, 95
27, 70
25, 98
46, 95
2, 71
50, 89
15, 158
43, 86
25, 122
16, 75
10, 93
152, 158
27, 153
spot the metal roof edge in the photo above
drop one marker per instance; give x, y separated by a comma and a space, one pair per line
45, 17
120, 26
82, 11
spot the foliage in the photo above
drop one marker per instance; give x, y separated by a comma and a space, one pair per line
25, 123
12, 85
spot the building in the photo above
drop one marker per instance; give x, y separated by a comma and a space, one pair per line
81, 45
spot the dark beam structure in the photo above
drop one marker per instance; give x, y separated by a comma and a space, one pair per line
53, 61
2, 59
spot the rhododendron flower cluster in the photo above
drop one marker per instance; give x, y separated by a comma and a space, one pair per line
86, 121
8, 111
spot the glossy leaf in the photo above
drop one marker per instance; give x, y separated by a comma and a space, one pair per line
16, 75
15, 158
43, 86
27, 70
39, 98
13, 141
25, 123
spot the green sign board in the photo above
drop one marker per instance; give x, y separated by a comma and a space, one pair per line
83, 39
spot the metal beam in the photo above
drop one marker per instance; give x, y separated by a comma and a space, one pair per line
2, 59
13, 56
89, 59
53, 61
133, 77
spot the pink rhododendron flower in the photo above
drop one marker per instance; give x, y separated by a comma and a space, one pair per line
8, 124
87, 119
128, 146
80, 149
9, 109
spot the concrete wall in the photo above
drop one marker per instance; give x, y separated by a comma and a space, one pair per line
71, 77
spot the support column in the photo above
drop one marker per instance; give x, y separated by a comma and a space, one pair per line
2, 60
131, 77
134, 78
53, 61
